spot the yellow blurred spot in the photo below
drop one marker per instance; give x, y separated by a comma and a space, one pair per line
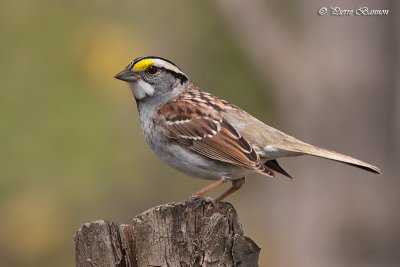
103, 48
142, 64
33, 224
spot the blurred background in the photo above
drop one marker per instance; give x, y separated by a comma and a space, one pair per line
72, 149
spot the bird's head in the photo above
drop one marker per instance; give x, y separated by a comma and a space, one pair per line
153, 78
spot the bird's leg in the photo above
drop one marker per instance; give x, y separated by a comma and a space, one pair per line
204, 190
236, 185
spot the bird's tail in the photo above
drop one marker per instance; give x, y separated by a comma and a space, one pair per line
304, 148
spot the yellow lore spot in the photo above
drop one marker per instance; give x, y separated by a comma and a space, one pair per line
142, 64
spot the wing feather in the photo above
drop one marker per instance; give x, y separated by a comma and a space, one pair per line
208, 134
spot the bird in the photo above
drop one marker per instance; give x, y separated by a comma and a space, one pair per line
206, 137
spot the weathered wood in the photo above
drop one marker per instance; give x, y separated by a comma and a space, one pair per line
177, 234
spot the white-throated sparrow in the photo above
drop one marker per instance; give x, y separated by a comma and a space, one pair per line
205, 136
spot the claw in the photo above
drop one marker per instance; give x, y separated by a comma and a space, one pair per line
211, 201
204, 199
193, 197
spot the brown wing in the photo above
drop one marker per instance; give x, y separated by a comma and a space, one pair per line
210, 135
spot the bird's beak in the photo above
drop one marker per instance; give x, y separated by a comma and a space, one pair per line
126, 75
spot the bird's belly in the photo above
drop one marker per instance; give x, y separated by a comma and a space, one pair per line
196, 165
193, 164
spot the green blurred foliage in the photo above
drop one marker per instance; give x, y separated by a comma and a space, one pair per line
71, 145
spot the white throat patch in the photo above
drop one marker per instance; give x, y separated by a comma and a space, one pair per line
141, 89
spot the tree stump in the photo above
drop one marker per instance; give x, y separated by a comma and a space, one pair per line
194, 233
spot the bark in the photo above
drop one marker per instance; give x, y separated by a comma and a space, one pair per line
177, 234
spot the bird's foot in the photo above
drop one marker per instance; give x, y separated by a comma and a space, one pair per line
208, 200
194, 197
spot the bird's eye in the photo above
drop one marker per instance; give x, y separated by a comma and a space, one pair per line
152, 70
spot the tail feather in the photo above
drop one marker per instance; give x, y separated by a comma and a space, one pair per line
304, 148
274, 165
